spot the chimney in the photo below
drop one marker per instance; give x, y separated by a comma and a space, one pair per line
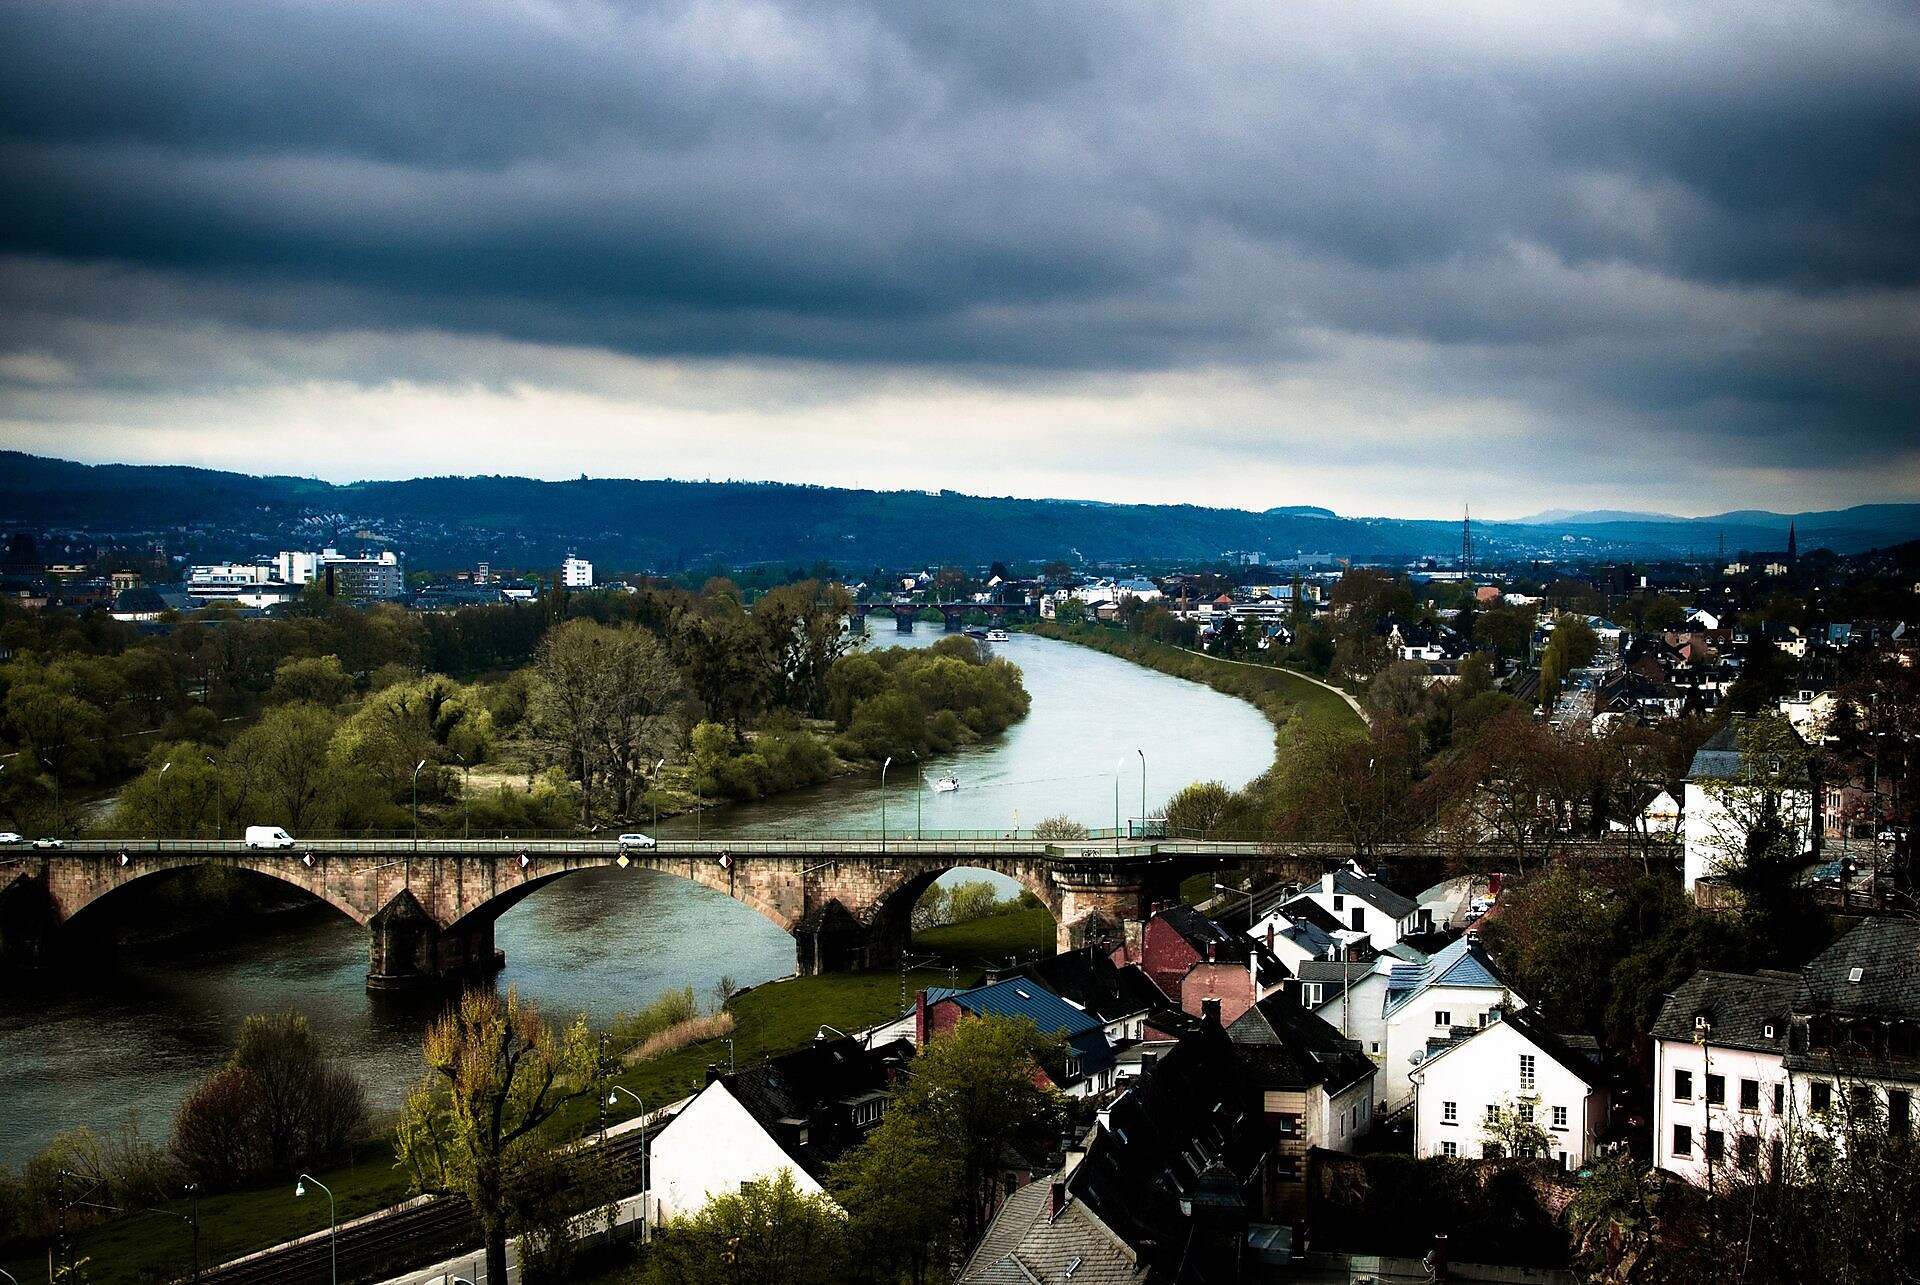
1326, 883
1210, 1012
1147, 1062
1213, 952
1056, 1200
713, 1072
920, 1031
1269, 934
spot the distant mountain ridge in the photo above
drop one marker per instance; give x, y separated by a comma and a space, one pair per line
666, 525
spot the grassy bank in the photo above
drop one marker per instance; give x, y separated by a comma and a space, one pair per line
157, 1245
998, 939
1280, 694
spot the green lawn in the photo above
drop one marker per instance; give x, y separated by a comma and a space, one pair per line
159, 1246
1019, 935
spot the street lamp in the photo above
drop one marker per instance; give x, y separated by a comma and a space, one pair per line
883, 801
729, 1044
1143, 787
333, 1227
919, 793
1119, 764
416, 803
645, 1196
654, 794
1245, 892
466, 796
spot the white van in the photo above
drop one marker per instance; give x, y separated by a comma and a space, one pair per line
268, 836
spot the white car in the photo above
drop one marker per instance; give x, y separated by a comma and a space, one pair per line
636, 841
49, 842
8, 838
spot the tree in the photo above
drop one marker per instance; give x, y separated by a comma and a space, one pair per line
319, 679
1572, 645
1059, 827
181, 794
608, 700
972, 1100
280, 1105
495, 1073
898, 1189
280, 767
1511, 1129
1197, 810
1758, 846
1509, 629
770, 1231
1345, 786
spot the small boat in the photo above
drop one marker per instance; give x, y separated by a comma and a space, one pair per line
996, 635
946, 784
979, 634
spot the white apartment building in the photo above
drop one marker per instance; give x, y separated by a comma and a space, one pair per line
576, 573
1511, 1064
1746, 1063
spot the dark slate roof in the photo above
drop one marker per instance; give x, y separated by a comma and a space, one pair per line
1887, 953
1333, 975
1192, 1112
1283, 1046
1094, 982
1738, 1007
1228, 947
1375, 894
1719, 759
1307, 911
817, 1084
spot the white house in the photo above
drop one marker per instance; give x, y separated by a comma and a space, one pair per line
1350, 996
1720, 1071
709, 1149
1457, 987
1362, 905
1713, 829
1511, 1064
796, 1113
576, 573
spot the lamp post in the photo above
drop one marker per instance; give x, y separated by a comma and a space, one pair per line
883, 801
333, 1227
1118, 765
466, 796
193, 1189
416, 803
219, 811
919, 793
654, 794
1143, 788
645, 1196
729, 1044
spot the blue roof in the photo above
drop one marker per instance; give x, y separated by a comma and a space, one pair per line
1022, 997
1460, 964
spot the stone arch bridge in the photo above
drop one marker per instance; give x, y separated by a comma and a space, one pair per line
430, 907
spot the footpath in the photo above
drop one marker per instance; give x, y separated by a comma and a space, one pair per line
1343, 694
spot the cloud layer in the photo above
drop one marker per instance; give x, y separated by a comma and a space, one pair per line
1393, 257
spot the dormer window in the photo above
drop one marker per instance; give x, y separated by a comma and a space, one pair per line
1700, 1021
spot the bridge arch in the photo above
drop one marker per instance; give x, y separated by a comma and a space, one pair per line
891, 914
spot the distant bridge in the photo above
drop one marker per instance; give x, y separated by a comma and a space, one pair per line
953, 614
430, 907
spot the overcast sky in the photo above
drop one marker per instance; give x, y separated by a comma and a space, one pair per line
1389, 258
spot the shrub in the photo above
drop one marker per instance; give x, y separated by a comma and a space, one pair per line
1059, 826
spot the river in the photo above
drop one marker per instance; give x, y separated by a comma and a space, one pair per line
134, 1034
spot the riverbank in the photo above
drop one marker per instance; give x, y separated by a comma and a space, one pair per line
1280, 694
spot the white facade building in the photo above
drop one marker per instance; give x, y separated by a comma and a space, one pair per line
1714, 832
1510, 1064
709, 1149
576, 573
1456, 988
1363, 906
1720, 1091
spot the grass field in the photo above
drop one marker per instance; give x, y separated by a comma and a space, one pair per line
1017, 936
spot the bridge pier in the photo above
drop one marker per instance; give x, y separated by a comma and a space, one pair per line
407, 950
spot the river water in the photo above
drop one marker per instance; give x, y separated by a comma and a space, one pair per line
134, 1034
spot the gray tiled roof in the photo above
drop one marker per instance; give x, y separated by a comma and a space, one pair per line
1738, 1007
1375, 894
1023, 1247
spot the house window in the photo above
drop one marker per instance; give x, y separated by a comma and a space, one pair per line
1861, 1100
1779, 1098
866, 1113
1746, 1152
1716, 1090
1820, 1095
1310, 994
1526, 1072
1899, 1112
1449, 1113
1559, 1117
1716, 1145
1682, 1140
1526, 1113
1749, 1095
1449, 1149
1683, 1086
1073, 1068
1493, 1112
1442, 1017
1339, 902
1776, 1151
1359, 919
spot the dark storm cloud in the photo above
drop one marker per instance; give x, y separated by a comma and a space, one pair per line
1611, 207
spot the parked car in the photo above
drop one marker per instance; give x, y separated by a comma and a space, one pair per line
268, 836
48, 841
636, 841
8, 839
